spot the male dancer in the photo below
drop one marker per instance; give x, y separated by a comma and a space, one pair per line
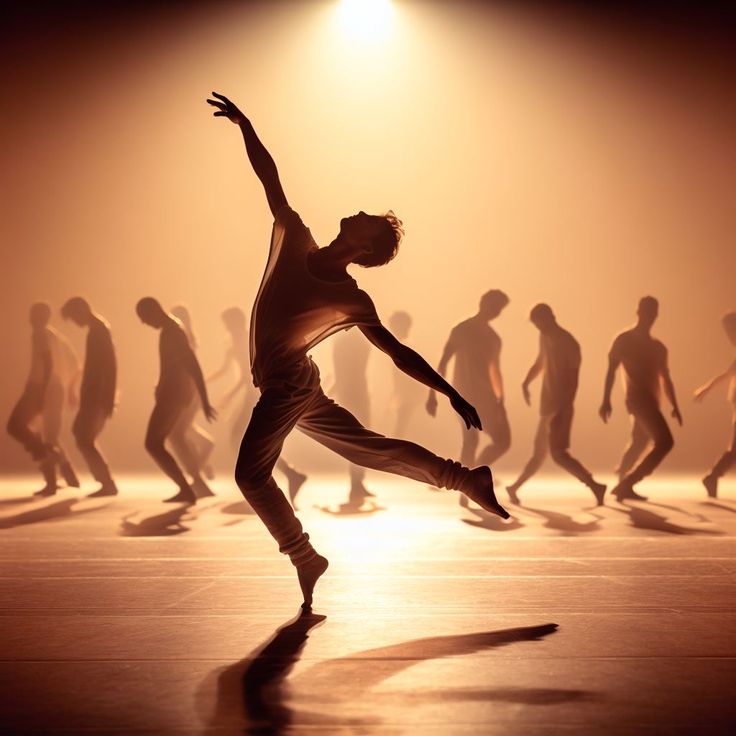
644, 360
350, 361
476, 347
97, 392
306, 295
237, 354
406, 394
728, 458
52, 381
559, 359
179, 378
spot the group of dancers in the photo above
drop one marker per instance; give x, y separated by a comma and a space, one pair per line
306, 295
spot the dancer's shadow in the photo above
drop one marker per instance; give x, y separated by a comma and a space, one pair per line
251, 693
716, 505
351, 509
241, 508
678, 510
486, 520
51, 512
166, 524
565, 523
642, 518
19, 500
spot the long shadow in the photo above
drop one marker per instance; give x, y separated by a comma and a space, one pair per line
678, 510
238, 507
716, 505
55, 510
641, 518
253, 690
19, 500
493, 523
166, 524
350, 509
564, 522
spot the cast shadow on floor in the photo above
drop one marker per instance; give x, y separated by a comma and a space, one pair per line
491, 522
166, 524
645, 518
253, 695
566, 523
57, 509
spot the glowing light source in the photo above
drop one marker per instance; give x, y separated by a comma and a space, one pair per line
366, 20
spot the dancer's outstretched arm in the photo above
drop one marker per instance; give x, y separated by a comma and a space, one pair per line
258, 155
411, 363
447, 353
706, 388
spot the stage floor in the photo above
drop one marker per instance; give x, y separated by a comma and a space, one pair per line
130, 616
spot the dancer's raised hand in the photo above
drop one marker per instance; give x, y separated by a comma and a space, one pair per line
226, 108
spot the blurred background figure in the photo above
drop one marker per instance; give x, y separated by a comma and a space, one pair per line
180, 379
406, 393
196, 436
350, 360
559, 360
237, 355
476, 348
52, 381
97, 390
646, 372
728, 458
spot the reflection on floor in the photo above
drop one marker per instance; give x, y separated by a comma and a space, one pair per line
129, 616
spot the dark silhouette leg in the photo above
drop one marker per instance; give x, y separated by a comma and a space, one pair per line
162, 421
88, 424
724, 464
634, 450
294, 479
496, 425
541, 446
29, 407
53, 409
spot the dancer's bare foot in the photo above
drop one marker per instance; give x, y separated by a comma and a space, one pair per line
479, 488
599, 490
201, 489
711, 485
309, 573
624, 491
513, 492
109, 489
46, 491
296, 480
185, 495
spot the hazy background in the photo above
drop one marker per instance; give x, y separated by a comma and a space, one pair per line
563, 156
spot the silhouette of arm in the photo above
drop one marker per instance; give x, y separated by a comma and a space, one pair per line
706, 388
260, 159
411, 363
532, 373
448, 352
669, 389
614, 360
195, 371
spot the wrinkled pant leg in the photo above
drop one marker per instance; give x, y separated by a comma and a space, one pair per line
337, 429
635, 449
656, 425
273, 417
28, 408
727, 460
88, 424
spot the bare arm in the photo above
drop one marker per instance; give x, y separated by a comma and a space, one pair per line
42, 353
613, 363
411, 363
447, 353
706, 388
669, 390
195, 371
260, 159
532, 373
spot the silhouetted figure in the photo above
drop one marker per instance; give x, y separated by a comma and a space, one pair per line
237, 355
559, 360
476, 348
350, 361
180, 378
306, 295
196, 437
97, 390
644, 360
728, 458
52, 381
406, 394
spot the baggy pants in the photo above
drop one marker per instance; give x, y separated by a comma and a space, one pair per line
298, 401
649, 427
87, 426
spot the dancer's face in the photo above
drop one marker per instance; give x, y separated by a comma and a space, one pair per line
359, 231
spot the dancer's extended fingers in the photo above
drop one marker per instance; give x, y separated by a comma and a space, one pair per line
215, 103
221, 97
220, 113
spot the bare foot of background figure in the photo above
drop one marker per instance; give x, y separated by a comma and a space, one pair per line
476, 349
726, 461
180, 381
646, 372
558, 361
305, 296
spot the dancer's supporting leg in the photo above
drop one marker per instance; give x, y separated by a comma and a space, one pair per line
87, 426
724, 464
635, 449
53, 410
182, 439
541, 447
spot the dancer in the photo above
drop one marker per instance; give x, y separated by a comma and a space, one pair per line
97, 392
52, 381
199, 440
644, 360
350, 360
406, 394
726, 461
236, 355
180, 377
306, 295
559, 359
476, 348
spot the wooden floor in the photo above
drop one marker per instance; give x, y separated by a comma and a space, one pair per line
128, 616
